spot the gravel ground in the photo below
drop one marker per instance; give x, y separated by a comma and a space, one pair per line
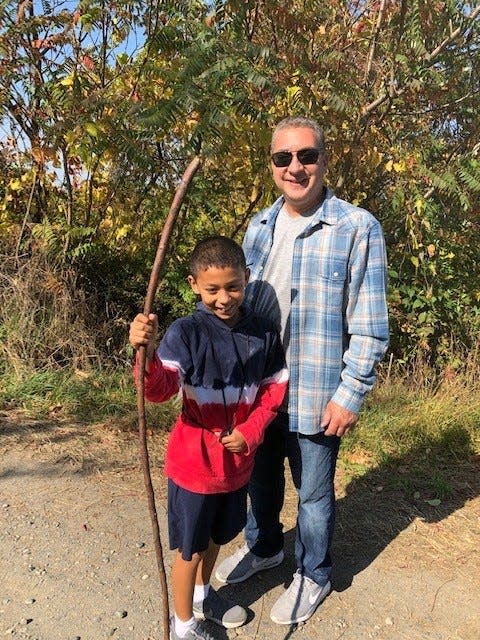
77, 561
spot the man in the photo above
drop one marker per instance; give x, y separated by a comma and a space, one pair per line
318, 268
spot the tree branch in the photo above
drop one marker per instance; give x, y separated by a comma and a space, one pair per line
373, 44
453, 36
428, 57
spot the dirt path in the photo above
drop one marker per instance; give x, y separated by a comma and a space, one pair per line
76, 557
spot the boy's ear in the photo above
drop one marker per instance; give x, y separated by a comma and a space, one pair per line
193, 283
247, 275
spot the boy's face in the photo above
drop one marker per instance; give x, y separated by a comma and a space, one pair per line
222, 290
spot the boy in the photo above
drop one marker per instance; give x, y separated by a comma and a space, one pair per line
230, 366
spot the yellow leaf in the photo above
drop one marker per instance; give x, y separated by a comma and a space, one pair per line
106, 224
70, 137
399, 167
91, 129
67, 81
389, 165
360, 197
122, 231
431, 250
293, 91
15, 185
419, 205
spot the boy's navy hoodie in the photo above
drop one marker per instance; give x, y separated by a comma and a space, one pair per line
230, 377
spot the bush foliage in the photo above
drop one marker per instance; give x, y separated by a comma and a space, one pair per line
102, 106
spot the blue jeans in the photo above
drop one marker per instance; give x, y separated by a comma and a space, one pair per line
312, 461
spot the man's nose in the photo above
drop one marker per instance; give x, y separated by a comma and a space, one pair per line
295, 165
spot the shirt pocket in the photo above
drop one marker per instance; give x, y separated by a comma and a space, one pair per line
331, 284
334, 271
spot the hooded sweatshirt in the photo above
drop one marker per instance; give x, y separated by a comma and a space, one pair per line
230, 377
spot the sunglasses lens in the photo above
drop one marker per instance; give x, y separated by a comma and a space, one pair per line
305, 156
282, 158
308, 156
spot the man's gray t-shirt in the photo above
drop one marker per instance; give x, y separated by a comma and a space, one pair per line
277, 273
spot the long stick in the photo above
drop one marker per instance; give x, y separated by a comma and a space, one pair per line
142, 425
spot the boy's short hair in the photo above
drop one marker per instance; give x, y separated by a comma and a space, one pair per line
216, 251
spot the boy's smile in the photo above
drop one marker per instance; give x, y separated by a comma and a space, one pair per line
222, 290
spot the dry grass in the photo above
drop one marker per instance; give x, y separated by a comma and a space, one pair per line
43, 316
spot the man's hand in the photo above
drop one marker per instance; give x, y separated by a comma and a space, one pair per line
143, 331
234, 441
338, 421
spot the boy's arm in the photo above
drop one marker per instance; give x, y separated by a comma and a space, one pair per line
143, 332
161, 383
269, 397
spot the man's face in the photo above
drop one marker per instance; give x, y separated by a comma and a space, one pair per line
300, 184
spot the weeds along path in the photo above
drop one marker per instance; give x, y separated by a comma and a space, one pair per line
77, 561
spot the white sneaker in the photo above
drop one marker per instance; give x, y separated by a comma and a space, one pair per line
197, 632
299, 601
219, 610
243, 563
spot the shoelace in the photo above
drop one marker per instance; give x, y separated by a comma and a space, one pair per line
295, 587
199, 632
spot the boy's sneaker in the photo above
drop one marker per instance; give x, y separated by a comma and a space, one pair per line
299, 601
219, 610
198, 632
243, 564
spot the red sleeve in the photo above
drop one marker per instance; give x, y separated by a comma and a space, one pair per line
264, 409
161, 383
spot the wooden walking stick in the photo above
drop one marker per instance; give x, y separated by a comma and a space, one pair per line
142, 425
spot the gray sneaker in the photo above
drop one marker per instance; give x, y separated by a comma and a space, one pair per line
219, 610
198, 632
299, 601
243, 564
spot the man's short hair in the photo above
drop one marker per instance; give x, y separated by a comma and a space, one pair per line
297, 122
216, 251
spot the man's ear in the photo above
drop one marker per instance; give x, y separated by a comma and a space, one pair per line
193, 283
247, 275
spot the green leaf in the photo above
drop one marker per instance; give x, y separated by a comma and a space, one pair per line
435, 502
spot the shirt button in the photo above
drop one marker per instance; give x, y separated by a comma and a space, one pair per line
335, 273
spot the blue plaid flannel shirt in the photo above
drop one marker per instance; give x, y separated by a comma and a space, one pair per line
339, 319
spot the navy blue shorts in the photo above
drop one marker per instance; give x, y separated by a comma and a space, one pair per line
196, 518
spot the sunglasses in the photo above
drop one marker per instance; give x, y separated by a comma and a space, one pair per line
304, 156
